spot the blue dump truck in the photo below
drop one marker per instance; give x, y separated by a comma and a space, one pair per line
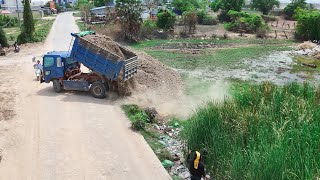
107, 70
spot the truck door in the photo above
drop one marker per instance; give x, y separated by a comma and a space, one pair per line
52, 68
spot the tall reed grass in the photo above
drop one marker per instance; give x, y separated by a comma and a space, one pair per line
264, 132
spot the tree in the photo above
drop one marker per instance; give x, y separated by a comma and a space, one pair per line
28, 24
225, 6
99, 3
129, 12
3, 39
265, 6
190, 21
289, 11
308, 27
166, 19
185, 5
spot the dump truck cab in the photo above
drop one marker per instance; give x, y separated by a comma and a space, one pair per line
58, 65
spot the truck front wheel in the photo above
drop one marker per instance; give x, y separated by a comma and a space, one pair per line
98, 90
57, 86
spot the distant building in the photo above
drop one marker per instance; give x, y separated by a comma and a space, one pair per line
98, 11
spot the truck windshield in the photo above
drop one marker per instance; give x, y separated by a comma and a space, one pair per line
48, 61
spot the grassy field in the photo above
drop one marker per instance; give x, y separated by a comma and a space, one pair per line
249, 41
212, 58
12, 34
227, 53
42, 29
263, 132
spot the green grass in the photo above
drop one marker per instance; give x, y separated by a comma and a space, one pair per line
213, 58
151, 136
302, 68
42, 29
158, 42
12, 34
263, 132
77, 14
82, 26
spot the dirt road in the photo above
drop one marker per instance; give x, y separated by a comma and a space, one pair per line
67, 135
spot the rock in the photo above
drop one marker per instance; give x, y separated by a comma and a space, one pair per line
307, 45
151, 112
184, 175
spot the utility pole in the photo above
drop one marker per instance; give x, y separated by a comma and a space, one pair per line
18, 13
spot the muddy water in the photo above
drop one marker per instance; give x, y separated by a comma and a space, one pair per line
279, 68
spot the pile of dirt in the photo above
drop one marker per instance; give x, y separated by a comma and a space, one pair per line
154, 78
106, 43
317, 55
153, 75
307, 45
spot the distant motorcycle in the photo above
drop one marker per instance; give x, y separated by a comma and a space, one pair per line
16, 47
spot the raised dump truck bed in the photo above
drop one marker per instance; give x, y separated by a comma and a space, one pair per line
104, 61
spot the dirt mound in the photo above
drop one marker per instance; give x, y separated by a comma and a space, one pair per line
153, 78
317, 55
307, 45
153, 75
107, 43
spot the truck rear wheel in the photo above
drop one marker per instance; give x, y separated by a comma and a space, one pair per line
98, 90
57, 86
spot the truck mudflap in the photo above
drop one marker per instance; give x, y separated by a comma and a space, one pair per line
76, 85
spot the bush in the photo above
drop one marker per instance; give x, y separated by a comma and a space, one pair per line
289, 10
7, 21
185, 5
206, 19
209, 20
139, 121
148, 28
3, 38
138, 117
264, 132
166, 19
262, 32
244, 22
308, 27
201, 15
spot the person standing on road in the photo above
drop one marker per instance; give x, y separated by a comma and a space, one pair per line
196, 167
38, 65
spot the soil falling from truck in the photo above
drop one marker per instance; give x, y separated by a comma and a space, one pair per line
152, 75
